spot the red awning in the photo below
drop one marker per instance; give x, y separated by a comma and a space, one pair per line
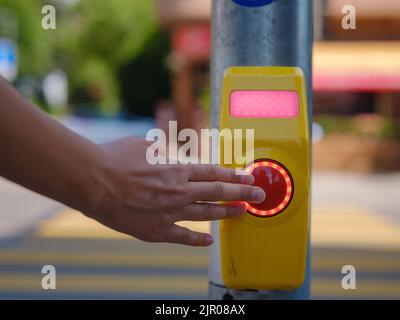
193, 41
355, 66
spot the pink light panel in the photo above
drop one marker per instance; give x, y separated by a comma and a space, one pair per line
264, 104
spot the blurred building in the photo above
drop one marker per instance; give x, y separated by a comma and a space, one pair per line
356, 71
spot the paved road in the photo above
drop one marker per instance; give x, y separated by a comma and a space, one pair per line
95, 262
21, 210
355, 221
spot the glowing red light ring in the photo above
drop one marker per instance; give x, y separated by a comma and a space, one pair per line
289, 189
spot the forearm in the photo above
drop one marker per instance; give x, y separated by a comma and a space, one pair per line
115, 184
42, 155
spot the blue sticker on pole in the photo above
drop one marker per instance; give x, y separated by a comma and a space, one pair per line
253, 3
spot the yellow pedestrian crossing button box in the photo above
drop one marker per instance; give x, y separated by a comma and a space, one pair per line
266, 248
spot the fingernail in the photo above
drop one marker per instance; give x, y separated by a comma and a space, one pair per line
258, 195
208, 240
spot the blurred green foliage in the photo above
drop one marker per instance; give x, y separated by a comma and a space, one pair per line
205, 101
145, 80
365, 125
335, 124
35, 45
391, 129
94, 39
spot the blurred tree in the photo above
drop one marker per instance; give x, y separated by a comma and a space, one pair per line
34, 44
95, 39
145, 80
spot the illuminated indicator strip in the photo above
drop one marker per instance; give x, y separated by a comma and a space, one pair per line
289, 189
264, 104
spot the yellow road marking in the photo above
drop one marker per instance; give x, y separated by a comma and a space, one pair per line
124, 259
361, 264
340, 226
73, 224
178, 285
364, 288
93, 259
106, 283
347, 227
353, 227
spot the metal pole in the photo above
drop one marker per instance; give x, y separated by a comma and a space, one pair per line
278, 34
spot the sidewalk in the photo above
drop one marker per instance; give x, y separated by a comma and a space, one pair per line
21, 210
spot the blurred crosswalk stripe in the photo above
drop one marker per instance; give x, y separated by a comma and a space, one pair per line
352, 226
72, 224
109, 260
94, 261
107, 283
113, 284
365, 289
347, 226
373, 263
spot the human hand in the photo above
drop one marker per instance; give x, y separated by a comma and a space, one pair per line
145, 201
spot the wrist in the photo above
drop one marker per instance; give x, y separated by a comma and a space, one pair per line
99, 185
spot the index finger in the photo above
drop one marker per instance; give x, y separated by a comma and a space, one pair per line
211, 172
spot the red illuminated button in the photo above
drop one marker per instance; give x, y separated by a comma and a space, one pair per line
277, 183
